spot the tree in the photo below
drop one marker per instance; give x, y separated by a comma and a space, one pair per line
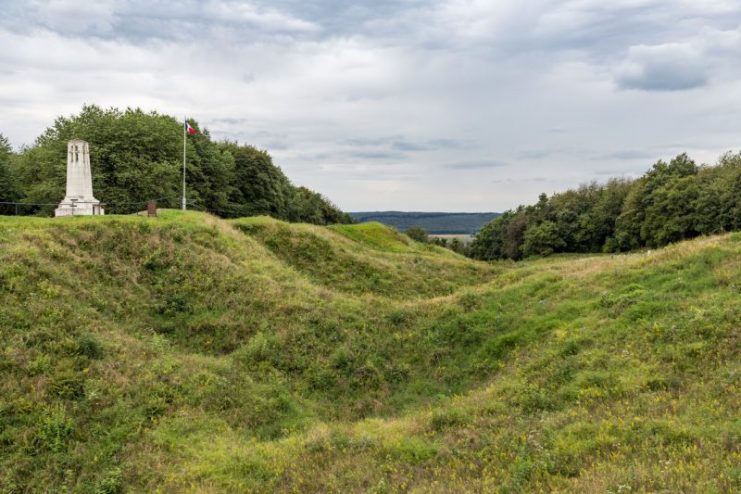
661, 222
417, 233
514, 234
440, 241
629, 221
502, 237
671, 214
311, 207
718, 203
137, 156
260, 187
542, 239
603, 215
8, 188
488, 242
457, 245
672, 201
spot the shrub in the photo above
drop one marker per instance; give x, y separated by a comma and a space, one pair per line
418, 234
55, 429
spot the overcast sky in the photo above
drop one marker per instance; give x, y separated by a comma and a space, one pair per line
438, 105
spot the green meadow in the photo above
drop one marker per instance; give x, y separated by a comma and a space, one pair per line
186, 353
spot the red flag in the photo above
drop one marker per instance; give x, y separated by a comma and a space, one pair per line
191, 131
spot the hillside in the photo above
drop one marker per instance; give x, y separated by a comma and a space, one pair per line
435, 223
191, 354
356, 258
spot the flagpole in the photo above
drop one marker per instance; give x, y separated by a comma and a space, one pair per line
185, 123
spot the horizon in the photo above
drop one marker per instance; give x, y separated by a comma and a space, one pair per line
441, 106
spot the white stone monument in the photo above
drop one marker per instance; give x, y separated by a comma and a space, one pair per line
79, 200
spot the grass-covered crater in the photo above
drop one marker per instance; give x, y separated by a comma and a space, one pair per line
187, 353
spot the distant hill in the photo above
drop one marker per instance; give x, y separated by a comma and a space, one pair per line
439, 223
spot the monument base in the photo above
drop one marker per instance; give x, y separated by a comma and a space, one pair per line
69, 208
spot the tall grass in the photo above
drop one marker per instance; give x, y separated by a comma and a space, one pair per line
188, 354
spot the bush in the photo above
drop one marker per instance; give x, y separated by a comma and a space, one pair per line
418, 234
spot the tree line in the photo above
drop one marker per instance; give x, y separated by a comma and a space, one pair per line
671, 202
137, 156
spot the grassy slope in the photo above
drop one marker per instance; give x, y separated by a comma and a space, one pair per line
366, 258
185, 353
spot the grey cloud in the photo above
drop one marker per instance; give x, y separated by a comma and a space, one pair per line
375, 155
276, 145
409, 146
537, 154
238, 129
521, 180
366, 141
621, 172
140, 20
350, 18
475, 165
230, 120
670, 67
663, 78
446, 143
628, 154
550, 153
354, 155
398, 143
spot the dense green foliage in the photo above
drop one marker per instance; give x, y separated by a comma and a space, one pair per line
417, 233
434, 223
137, 156
186, 353
8, 188
672, 201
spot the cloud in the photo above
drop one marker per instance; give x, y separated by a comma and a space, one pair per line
536, 154
376, 155
522, 180
627, 154
399, 143
140, 21
667, 67
368, 141
262, 17
74, 16
409, 146
447, 143
475, 165
396, 104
